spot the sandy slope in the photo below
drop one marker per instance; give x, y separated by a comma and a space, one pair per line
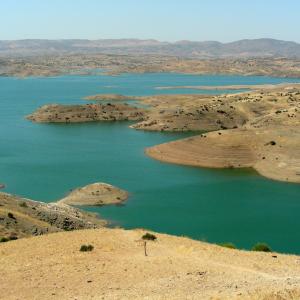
52, 267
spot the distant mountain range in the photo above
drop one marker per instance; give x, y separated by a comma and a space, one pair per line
210, 49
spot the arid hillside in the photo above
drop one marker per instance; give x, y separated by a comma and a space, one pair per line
52, 267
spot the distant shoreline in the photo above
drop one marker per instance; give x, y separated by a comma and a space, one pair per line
112, 64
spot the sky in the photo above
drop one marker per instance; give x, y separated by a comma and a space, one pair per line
164, 20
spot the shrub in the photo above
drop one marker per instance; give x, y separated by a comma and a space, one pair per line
149, 237
228, 245
86, 248
261, 247
10, 215
3, 240
23, 204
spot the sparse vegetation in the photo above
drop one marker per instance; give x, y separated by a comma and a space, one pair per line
7, 239
149, 237
86, 248
10, 215
261, 247
4, 239
23, 204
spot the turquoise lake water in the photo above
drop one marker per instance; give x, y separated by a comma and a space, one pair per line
45, 161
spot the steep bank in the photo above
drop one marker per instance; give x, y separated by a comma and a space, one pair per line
52, 267
21, 217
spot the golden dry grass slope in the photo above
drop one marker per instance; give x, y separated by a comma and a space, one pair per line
52, 267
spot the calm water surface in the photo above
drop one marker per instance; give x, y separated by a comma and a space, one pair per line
45, 161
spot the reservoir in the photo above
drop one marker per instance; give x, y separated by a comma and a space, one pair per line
45, 161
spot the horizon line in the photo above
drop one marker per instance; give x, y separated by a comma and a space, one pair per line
146, 39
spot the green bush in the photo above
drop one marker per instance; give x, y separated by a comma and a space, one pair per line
149, 237
86, 248
261, 247
228, 245
3, 240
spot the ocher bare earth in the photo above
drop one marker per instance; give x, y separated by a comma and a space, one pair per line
52, 267
274, 153
95, 194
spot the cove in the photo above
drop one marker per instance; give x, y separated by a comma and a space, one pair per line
44, 161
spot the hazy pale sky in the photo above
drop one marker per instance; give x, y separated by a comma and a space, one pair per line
165, 20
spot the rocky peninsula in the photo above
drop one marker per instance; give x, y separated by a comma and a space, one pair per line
258, 129
56, 113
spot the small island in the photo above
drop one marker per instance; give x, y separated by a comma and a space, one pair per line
96, 194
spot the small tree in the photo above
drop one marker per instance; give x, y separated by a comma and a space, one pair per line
148, 237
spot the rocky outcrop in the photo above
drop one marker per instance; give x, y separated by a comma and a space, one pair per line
21, 217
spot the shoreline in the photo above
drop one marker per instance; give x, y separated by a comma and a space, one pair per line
150, 72
70, 63
254, 87
237, 149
